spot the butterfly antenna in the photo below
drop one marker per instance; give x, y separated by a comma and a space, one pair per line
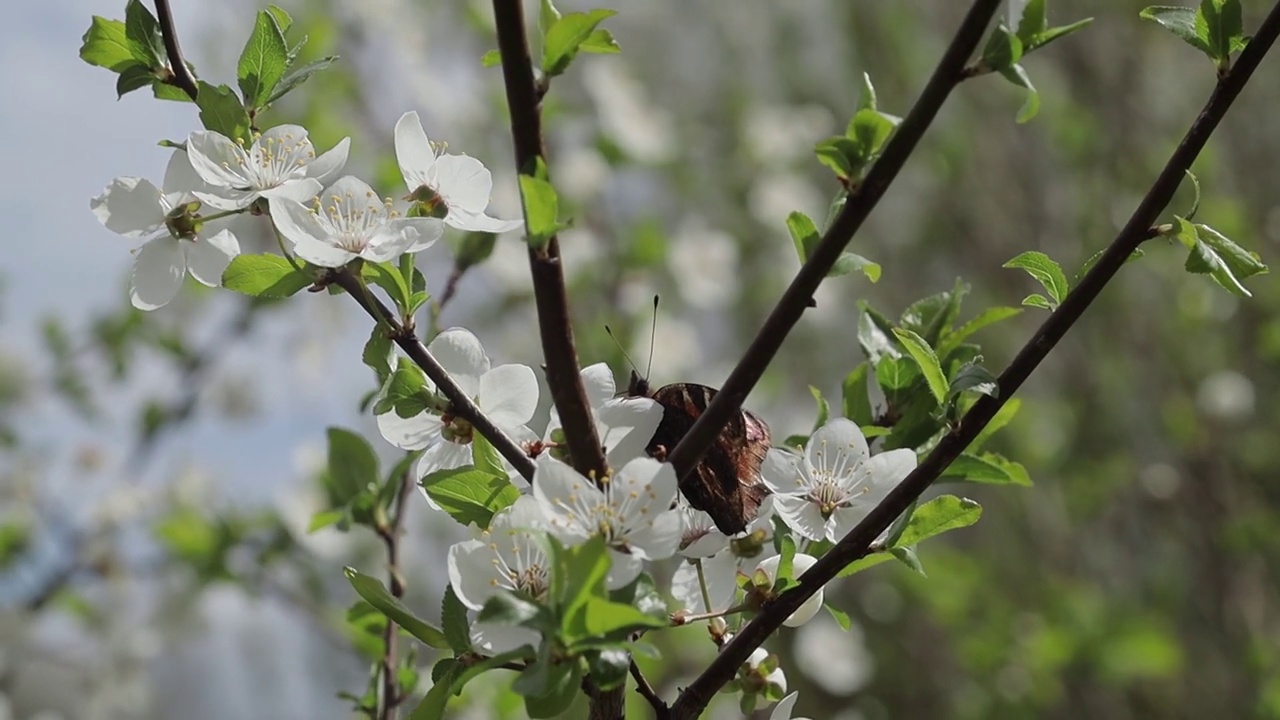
653, 333
621, 349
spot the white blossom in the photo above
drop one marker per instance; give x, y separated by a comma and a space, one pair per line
457, 185
799, 565
348, 220
784, 708
831, 488
281, 163
624, 425
631, 509
176, 240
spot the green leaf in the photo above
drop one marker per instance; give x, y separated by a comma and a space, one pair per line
1033, 21
852, 262
433, 705
475, 248
297, 76
387, 276
1180, 21
856, 403
1239, 263
1017, 75
1003, 417
609, 667
974, 377
221, 111
470, 495
870, 129
1036, 300
264, 275
943, 513
841, 617
643, 595
353, 466
603, 618
561, 687
1195, 199
1047, 272
373, 591
867, 98
824, 410
1054, 33
143, 33
133, 77
907, 556
491, 58
580, 571
485, 456
990, 316
548, 15
1003, 49
378, 354
841, 154
324, 519
509, 608
541, 209
406, 392
987, 469
863, 563
105, 44
453, 616
804, 234
565, 37
920, 351
896, 374
600, 42
263, 61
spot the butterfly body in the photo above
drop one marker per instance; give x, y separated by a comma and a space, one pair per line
726, 483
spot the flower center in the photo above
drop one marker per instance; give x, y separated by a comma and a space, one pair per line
524, 566
352, 220
272, 160
828, 495
456, 430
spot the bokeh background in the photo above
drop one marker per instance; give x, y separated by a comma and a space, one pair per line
157, 472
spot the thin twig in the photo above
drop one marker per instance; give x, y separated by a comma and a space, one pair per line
857, 543
390, 534
660, 709
460, 403
861, 201
182, 77
555, 328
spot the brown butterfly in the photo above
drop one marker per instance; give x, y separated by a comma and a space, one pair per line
726, 483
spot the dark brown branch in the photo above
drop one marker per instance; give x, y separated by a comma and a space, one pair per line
459, 402
855, 545
660, 709
390, 534
861, 201
554, 325
182, 76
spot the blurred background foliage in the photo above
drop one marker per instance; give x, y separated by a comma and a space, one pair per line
1137, 578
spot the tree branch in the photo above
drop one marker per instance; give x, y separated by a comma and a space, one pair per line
861, 201
855, 545
459, 402
555, 328
390, 534
660, 709
182, 77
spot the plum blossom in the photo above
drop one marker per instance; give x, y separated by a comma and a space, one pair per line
507, 394
177, 238
281, 163
507, 556
799, 565
761, 673
623, 424
785, 707
831, 488
631, 509
453, 187
348, 220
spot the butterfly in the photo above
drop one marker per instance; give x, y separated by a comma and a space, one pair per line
726, 482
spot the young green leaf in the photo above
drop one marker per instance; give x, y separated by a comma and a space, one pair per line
1182, 22
453, 616
864, 562
1003, 49
387, 276
222, 112
468, 495
804, 234
1017, 75
990, 316
379, 354
925, 358
987, 469
856, 401
143, 31
265, 275
491, 58
1034, 20
541, 209
841, 617
485, 456
907, 556
375, 593
824, 410
943, 513
353, 466
1047, 272
105, 44
133, 77
600, 42
565, 37
608, 667
263, 61
297, 76
1054, 33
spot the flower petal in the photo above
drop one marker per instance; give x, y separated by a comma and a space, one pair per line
560, 491
158, 269
800, 564
623, 569
657, 539
888, 469
629, 424
217, 160
597, 380
444, 455
721, 575
413, 152
130, 206
509, 394
471, 567
299, 190
479, 222
461, 353
839, 446
227, 198
411, 433
655, 481
781, 472
402, 235
181, 177
464, 183
208, 257
310, 238
330, 163
785, 707
524, 514
801, 515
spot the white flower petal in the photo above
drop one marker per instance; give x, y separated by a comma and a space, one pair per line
129, 206
464, 183
444, 455
181, 177
480, 222
837, 445
208, 257
461, 353
559, 490
309, 237
217, 160
413, 152
471, 566
781, 472
785, 707
623, 569
597, 380
299, 190
525, 513
629, 424
646, 473
888, 469
509, 394
658, 539
227, 198
721, 575
411, 433
158, 269
329, 164
801, 515
421, 232
799, 565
